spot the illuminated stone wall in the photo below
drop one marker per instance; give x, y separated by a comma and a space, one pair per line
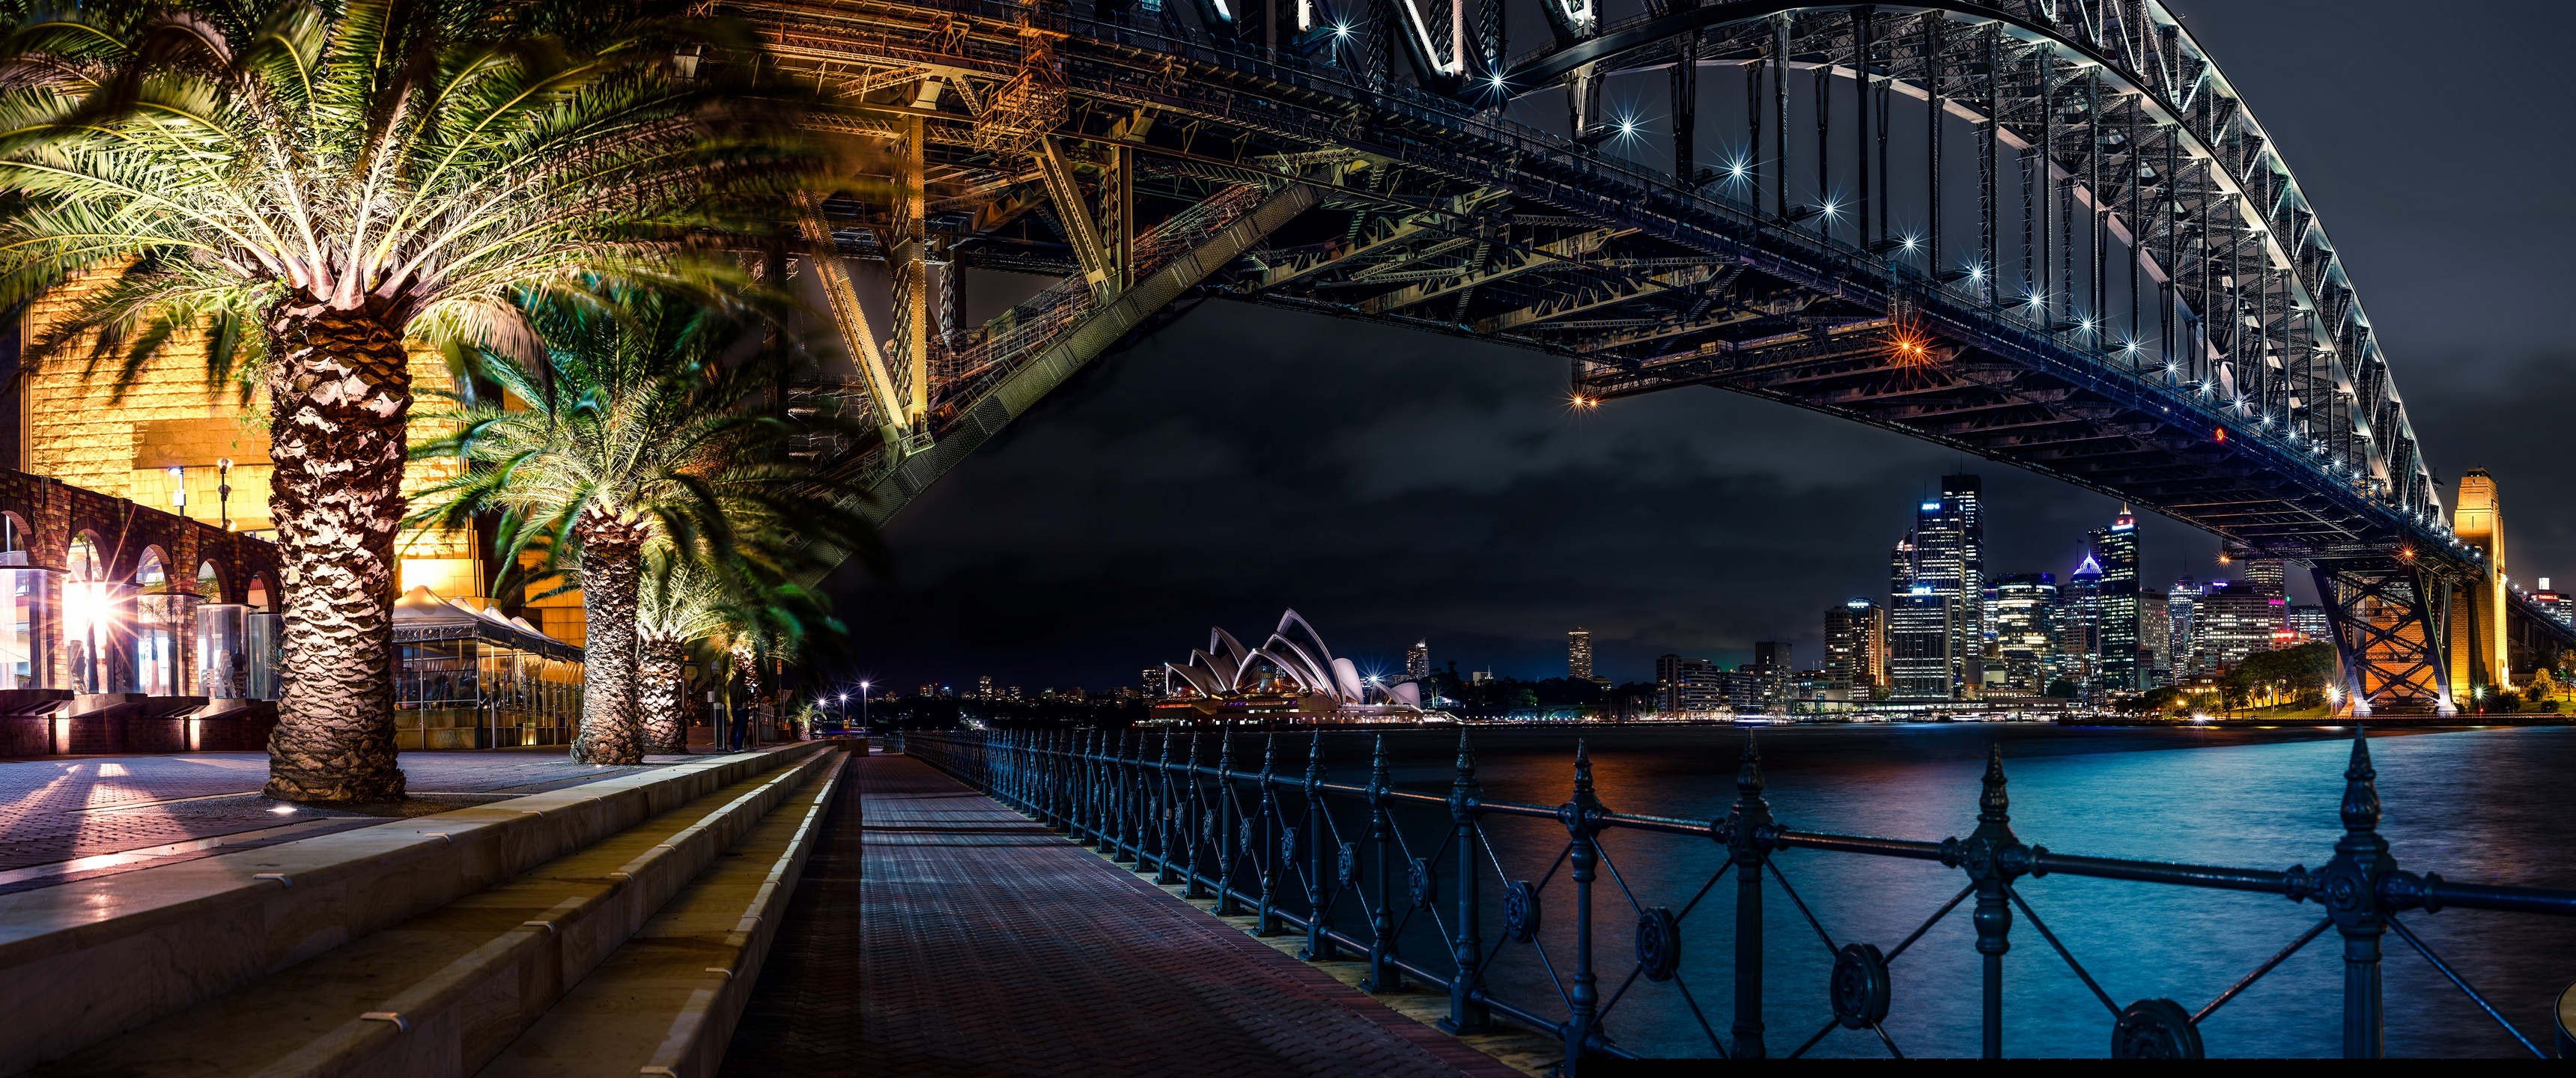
161, 442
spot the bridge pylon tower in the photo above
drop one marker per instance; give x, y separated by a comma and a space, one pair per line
2480, 637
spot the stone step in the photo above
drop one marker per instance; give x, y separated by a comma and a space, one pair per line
88, 960
443, 992
668, 1001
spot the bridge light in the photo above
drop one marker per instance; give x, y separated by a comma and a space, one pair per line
1341, 29
1735, 169
1911, 243
1831, 208
1498, 80
1977, 272
2222, 434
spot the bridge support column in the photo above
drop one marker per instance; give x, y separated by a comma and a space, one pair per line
2391, 624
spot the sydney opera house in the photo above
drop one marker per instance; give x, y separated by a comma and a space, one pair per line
1291, 677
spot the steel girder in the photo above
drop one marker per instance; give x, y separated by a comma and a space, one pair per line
2123, 143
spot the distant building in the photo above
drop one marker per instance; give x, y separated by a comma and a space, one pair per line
1689, 686
1417, 662
1949, 557
2115, 550
984, 687
2233, 621
1152, 682
1856, 648
1919, 635
2264, 576
1773, 670
2022, 619
2308, 624
929, 692
2155, 639
1578, 654
1012, 694
2558, 604
2079, 630
2182, 604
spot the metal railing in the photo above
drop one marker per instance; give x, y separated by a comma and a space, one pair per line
1351, 867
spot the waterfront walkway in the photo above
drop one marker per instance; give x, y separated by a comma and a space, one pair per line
980, 943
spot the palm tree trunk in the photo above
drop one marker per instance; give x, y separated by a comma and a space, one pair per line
659, 695
612, 569
339, 386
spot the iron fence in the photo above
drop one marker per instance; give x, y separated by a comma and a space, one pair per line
1333, 860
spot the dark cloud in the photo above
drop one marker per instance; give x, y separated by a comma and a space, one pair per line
1396, 486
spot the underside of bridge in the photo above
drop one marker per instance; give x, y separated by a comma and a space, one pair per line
2047, 233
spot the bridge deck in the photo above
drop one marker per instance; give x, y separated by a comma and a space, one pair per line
985, 944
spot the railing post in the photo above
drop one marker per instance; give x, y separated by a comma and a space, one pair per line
1748, 839
1132, 791
1194, 822
1265, 920
2349, 886
1051, 778
1382, 974
1319, 938
1992, 857
1083, 804
1466, 951
1226, 906
1163, 805
1581, 815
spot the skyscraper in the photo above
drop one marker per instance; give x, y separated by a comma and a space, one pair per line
2115, 550
1945, 553
1578, 654
1856, 647
1417, 662
2079, 629
2024, 624
1919, 634
2182, 604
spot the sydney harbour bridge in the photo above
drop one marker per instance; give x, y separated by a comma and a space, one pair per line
2046, 232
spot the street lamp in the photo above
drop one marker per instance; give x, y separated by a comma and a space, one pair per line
224, 492
863, 706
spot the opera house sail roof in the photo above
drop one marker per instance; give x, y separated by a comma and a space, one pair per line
1292, 674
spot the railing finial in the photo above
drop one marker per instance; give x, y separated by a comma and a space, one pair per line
1315, 758
1992, 804
1582, 769
1269, 753
2360, 785
1466, 757
1748, 772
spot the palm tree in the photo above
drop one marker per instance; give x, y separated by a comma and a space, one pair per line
646, 428
685, 608
316, 187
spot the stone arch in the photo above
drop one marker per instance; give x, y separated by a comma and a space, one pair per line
260, 592
213, 584
86, 559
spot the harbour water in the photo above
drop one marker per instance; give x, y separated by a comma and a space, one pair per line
2486, 805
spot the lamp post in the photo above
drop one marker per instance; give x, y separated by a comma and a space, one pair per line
224, 493
863, 706
845, 711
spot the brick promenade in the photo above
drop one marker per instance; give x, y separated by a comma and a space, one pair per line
72, 817
987, 945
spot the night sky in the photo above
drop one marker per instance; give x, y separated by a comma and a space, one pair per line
1395, 486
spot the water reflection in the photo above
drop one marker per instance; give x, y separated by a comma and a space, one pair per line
2480, 805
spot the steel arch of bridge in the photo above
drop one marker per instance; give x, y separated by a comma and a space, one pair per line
1147, 155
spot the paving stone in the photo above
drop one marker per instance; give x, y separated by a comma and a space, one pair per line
68, 809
